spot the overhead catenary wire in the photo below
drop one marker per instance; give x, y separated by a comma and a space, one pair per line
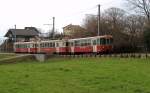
80, 12
83, 12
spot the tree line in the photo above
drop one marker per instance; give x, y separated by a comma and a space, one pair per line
131, 31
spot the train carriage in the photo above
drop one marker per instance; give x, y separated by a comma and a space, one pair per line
47, 47
82, 45
25, 47
52, 46
61, 46
102, 44
97, 44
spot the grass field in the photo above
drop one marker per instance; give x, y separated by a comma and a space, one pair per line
78, 75
2, 56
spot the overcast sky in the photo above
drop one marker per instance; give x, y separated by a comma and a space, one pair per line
38, 12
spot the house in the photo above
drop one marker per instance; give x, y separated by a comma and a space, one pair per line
16, 35
26, 34
73, 31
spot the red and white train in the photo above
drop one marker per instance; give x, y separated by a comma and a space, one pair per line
97, 44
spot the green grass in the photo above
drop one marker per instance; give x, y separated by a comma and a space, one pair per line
77, 75
2, 56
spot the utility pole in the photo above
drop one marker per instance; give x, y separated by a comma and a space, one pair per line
99, 19
15, 32
53, 30
53, 27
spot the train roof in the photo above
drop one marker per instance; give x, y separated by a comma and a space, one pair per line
39, 41
104, 36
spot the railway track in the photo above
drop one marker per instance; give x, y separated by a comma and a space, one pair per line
123, 55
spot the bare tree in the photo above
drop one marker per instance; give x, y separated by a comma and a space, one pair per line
141, 6
134, 28
115, 16
90, 24
135, 24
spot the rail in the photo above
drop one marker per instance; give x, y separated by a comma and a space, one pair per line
124, 55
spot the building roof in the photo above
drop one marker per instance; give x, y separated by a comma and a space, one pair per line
21, 32
70, 26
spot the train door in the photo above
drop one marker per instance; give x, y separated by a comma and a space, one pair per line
94, 43
71, 47
67, 46
38, 47
57, 47
35, 47
28, 47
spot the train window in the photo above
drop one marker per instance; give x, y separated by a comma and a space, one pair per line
42, 45
16, 46
23, 46
35, 45
82, 43
64, 44
98, 41
94, 42
88, 42
53, 44
46, 45
50, 44
77, 43
103, 41
111, 40
70, 43
57, 44
67, 44
30, 45
107, 41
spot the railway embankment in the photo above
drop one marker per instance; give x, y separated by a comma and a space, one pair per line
17, 58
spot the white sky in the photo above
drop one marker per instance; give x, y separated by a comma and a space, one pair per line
35, 13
